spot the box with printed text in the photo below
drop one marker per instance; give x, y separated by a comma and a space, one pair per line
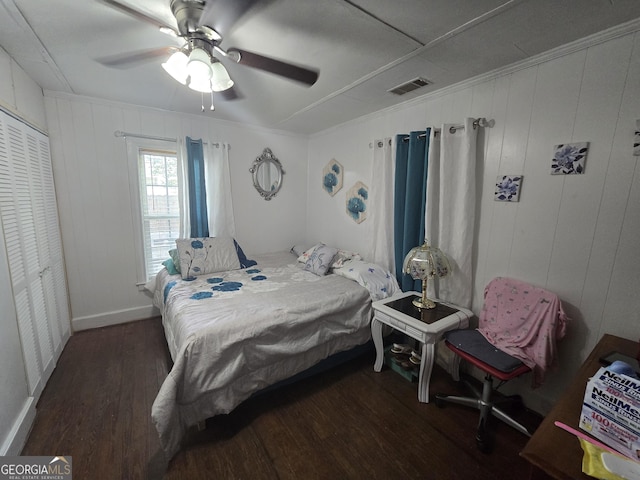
611, 411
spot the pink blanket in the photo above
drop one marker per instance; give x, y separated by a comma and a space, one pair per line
523, 321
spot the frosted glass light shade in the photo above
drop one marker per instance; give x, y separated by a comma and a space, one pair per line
200, 85
197, 71
176, 66
199, 65
220, 79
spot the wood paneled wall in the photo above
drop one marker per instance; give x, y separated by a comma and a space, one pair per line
576, 235
96, 214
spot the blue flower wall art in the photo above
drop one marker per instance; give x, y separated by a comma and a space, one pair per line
569, 158
332, 177
508, 188
357, 197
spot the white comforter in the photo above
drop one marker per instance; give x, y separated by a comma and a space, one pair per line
234, 333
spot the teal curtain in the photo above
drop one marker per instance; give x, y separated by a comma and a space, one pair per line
197, 191
410, 193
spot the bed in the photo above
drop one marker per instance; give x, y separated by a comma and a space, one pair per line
233, 333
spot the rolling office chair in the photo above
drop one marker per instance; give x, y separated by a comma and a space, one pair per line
517, 332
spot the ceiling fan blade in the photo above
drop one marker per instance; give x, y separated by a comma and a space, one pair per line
287, 70
131, 59
138, 15
222, 15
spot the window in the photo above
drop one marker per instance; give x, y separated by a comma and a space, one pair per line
159, 205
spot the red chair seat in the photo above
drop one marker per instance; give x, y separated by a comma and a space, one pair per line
494, 372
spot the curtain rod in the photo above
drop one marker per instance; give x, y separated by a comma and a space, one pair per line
380, 143
478, 122
119, 133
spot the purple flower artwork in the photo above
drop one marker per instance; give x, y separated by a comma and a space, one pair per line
508, 188
569, 158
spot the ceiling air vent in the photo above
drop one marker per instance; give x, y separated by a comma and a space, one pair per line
410, 86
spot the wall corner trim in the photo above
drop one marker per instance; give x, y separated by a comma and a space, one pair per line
17, 436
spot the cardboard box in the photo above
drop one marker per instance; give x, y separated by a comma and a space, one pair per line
611, 411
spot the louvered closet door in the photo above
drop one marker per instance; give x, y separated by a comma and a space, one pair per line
24, 211
54, 276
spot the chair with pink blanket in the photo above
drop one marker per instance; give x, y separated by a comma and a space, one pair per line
517, 332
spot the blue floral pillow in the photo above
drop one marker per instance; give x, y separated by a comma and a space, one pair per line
201, 256
304, 256
242, 258
320, 260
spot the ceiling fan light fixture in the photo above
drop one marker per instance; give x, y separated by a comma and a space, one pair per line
199, 66
176, 66
200, 85
220, 79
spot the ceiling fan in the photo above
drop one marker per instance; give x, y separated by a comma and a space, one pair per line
201, 24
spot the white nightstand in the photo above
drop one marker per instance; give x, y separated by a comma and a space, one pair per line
426, 326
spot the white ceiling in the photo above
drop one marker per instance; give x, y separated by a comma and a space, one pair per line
362, 48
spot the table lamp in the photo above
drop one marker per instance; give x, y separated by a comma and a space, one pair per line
422, 263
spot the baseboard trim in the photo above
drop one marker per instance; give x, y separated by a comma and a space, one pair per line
17, 438
113, 318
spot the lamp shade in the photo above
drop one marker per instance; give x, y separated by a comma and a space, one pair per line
176, 66
220, 79
198, 71
422, 263
425, 262
199, 65
200, 85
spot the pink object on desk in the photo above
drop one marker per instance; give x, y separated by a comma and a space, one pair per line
586, 438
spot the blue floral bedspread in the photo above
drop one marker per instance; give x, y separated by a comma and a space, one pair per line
233, 333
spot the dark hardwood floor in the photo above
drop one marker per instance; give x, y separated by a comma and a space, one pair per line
348, 422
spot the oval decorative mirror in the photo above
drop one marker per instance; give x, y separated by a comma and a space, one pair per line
267, 174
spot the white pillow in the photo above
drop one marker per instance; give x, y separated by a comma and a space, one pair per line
380, 282
305, 256
344, 256
320, 260
201, 256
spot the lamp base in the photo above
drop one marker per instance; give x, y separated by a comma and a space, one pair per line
424, 303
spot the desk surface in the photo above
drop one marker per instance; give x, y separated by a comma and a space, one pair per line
553, 450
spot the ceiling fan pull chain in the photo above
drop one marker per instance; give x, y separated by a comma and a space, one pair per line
212, 107
202, 97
